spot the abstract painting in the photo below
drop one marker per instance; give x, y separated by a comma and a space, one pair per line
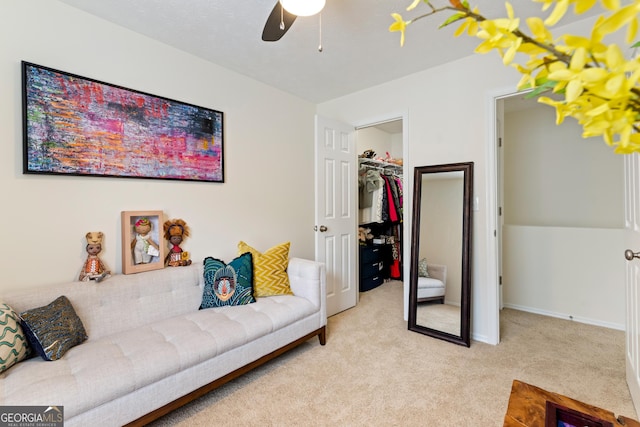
80, 126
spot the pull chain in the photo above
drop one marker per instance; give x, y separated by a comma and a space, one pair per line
320, 31
281, 17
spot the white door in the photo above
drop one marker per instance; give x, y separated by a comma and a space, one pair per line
632, 239
336, 211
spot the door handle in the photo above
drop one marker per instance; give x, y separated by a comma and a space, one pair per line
322, 228
630, 255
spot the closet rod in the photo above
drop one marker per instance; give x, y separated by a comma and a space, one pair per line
386, 168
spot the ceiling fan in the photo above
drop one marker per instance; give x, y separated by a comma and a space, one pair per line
284, 13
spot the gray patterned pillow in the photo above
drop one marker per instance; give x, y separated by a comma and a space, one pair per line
422, 268
53, 329
13, 342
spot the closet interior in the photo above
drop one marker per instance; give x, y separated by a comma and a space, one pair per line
380, 204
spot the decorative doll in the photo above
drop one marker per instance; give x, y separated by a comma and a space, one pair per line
175, 231
94, 268
142, 245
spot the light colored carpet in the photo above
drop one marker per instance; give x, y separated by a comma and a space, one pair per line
374, 372
442, 317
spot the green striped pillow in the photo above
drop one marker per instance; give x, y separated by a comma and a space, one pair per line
13, 342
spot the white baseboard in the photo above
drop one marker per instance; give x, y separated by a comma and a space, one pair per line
481, 338
578, 319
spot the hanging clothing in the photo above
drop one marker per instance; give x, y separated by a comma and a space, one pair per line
394, 268
373, 213
368, 181
392, 212
400, 196
379, 196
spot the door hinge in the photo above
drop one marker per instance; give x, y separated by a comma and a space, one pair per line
500, 280
499, 142
500, 211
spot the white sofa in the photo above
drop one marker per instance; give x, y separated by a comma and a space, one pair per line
150, 349
433, 288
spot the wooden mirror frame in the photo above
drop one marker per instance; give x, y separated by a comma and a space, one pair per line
465, 309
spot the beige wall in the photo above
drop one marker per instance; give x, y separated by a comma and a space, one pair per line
381, 142
267, 196
374, 139
554, 177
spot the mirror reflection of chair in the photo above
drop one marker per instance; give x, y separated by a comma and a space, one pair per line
433, 286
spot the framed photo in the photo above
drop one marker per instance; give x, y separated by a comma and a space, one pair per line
143, 246
561, 416
74, 125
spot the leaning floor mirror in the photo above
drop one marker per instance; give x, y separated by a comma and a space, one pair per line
440, 277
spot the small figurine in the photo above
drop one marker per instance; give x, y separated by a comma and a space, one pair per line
175, 231
367, 154
142, 245
94, 268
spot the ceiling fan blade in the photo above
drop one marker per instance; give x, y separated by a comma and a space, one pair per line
272, 31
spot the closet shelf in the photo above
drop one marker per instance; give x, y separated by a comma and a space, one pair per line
380, 165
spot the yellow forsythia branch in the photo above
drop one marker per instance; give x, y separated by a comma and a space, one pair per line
594, 82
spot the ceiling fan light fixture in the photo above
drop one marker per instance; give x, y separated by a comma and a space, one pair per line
303, 7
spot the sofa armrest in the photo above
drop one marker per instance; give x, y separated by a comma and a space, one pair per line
438, 271
308, 280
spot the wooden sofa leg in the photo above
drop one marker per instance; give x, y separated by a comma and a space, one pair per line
323, 335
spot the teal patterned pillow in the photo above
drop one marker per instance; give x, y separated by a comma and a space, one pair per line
53, 329
422, 268
13, 342
228, 284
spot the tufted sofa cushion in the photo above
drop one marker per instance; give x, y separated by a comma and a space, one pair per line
145, 354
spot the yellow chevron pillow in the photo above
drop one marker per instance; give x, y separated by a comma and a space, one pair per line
269, 270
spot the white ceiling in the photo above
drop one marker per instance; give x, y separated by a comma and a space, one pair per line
358, 50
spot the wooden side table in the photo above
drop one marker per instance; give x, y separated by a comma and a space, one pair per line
527, 407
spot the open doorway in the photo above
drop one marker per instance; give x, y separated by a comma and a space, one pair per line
380, 148
559, 217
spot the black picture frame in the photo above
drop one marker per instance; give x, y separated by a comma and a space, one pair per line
560, 416
74, 125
